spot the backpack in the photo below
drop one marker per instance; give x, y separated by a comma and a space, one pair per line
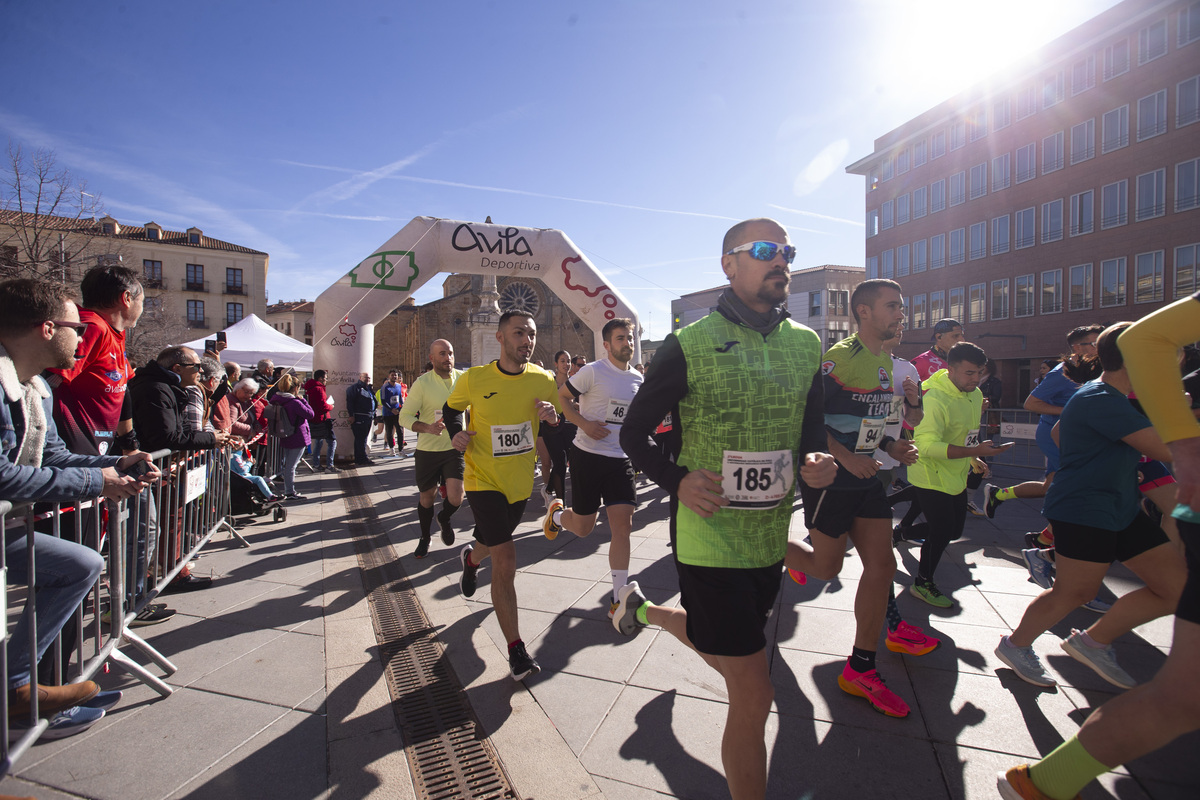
279, 423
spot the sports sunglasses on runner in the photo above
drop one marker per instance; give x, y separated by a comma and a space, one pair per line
765, 251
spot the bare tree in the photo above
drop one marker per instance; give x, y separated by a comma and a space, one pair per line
48, 223
160, 326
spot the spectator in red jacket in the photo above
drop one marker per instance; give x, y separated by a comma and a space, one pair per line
321, 427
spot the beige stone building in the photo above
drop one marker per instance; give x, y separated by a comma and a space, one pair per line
292, 318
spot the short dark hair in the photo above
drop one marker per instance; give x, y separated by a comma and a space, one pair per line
176, 354
734, 234
1106, 347
965, 351
866, 292
612, 325
319, 374
27, 302
512, 312
1082, 332
103, 286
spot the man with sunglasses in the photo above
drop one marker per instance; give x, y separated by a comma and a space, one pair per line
743, 386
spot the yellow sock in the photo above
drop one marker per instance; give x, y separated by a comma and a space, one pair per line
1062, 774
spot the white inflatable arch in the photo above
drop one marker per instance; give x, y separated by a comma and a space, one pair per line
345, 314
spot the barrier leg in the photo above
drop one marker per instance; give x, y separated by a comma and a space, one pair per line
151, 653
141, 673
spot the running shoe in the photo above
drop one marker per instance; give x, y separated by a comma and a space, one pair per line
900, 483
1041, 567
798, 576
466, 581
990, 491
871, 686
910, 639
422, 548
629, 600
447, 530
521, 664
548, 525
152, 614
1102, 660
1024, 662
547, 498
76, 719
612, 608
929, 592
103, 700
1017, 785
442, 491
900, 533
974, 509
1097, 605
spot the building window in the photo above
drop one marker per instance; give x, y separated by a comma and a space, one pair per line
918, 153
1116, 59
152, 305
956, 303
888, 269
152, 234
1152, 115
1000, 172
195, 278
872, 179
519, 296
195, 314
917, 316
1052, 221
1000, 235
937, 145
1026, 102
152, 274
233, 314
233, 281
920, 202
1052, 291
1083, 212
1052, 153
979, 180
1187, 101
1185, 270
937, 251
958, 134
1080, 292
836, 333
1114, 204
872, 267
1027, 162
958, 188
1151, 195
1112, 282
978, 240
1025, 228
958, 245
1189, 24
1187, 179
937, 306
1148, 278
886, 167
901, 261
1001, 114
937, 196
287, 328
977, 124
1083, 75
887, 215
902, 162
873, 222
1083, 141
920, 256
814, 304
839, 303
1114, 130
1052, 89
977, 310
902, 209
1000, 299
1024, 296
1152, 42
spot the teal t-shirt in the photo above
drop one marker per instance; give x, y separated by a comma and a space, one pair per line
1096, 482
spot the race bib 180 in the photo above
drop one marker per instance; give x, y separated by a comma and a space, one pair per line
512, 440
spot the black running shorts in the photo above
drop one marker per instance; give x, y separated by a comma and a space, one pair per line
434, 466
727, 609
495, 517
833, 511
1102, 546
596, 479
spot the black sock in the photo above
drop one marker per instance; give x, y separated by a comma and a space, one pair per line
513, 644
893, 611
862, 660
425, 515
447, 511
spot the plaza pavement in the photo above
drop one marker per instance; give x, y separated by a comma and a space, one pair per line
280, 690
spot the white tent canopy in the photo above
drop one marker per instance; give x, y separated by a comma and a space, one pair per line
251, 340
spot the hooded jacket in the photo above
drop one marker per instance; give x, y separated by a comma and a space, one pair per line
158, 398
299, 412
950, 417
317, 396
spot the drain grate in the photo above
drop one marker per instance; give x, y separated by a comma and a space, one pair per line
448, 753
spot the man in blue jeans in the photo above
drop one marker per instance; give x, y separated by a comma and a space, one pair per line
360, 405
40, 329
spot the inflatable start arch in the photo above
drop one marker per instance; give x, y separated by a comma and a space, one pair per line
345, 314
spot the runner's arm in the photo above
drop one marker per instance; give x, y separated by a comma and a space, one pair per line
665, 385
1150, 347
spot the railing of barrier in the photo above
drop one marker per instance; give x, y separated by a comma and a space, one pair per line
1013, 425
149, 539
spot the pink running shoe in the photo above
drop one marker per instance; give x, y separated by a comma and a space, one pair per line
911, 639
798, 576
871, 686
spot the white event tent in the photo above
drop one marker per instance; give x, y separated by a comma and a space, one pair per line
251, 340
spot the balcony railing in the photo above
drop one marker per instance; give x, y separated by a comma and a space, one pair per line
195, 286
152, 283
234, 289
197, 322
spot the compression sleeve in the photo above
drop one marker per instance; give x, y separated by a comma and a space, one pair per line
813, 437
665, 385
1149, 348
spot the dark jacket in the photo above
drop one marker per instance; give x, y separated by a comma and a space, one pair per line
158, 399
299, 412
360, 401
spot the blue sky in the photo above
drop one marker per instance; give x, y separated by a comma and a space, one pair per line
315, 131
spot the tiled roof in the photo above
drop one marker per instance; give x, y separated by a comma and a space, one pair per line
293, 306
132, 233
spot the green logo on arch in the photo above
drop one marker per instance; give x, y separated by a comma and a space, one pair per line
394, 270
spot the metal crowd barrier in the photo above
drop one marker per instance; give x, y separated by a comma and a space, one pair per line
148, 539
1013, 425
